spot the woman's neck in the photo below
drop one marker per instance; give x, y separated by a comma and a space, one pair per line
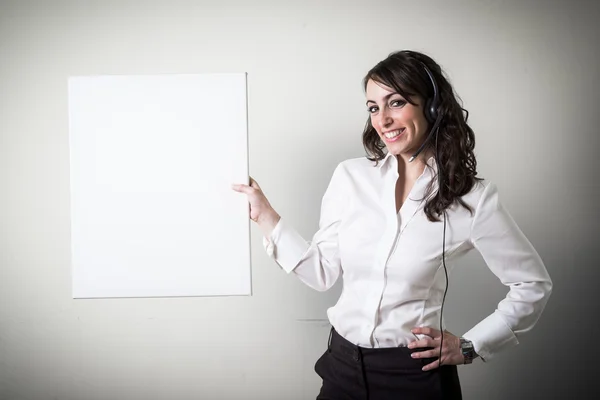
413, 169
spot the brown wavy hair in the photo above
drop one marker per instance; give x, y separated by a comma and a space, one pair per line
454, 141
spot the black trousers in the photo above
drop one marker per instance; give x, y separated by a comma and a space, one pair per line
350, 372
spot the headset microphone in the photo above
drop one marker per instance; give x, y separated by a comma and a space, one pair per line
432, 132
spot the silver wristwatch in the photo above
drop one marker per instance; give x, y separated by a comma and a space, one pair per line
468, 351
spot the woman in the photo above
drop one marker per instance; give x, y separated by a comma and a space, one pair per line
389, 224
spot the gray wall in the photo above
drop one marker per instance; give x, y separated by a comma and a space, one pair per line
526, 70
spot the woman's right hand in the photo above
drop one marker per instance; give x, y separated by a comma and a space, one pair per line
261, 211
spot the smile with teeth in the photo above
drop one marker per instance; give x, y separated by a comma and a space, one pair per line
393, 134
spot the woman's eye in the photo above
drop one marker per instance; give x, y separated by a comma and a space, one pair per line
397, 103
372, 109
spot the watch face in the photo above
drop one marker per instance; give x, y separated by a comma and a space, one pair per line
468, 350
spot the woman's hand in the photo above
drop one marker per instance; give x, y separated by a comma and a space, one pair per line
261, 211
451, 352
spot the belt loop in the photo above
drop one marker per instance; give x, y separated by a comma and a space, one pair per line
329, 340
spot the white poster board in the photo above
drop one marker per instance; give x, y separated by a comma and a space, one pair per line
152, 162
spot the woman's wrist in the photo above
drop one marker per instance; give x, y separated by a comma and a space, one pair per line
268, 222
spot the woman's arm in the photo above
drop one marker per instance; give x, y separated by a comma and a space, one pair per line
316, 263
512, 258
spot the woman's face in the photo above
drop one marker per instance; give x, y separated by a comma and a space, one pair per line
401, 125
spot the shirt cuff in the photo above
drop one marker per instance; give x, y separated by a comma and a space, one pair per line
286, 246
491, 336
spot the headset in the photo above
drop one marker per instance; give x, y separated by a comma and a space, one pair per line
430, 109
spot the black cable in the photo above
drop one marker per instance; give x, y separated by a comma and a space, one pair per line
446, 289
440, 183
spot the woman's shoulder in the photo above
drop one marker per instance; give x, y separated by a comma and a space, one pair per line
482, 191
479, 187
355, 169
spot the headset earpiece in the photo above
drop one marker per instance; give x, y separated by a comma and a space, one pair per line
430, 110
431, 104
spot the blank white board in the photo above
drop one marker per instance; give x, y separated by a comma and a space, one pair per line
152, 162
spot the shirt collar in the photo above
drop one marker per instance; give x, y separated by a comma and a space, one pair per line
386, 160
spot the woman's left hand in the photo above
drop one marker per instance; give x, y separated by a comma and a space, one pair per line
451, 352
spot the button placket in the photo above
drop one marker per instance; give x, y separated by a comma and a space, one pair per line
387, 249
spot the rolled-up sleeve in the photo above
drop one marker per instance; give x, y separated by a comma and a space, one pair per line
316, 263
513, 259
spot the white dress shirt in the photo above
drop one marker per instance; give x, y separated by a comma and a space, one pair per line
391, 263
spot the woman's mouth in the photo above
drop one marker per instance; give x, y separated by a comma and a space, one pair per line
392, 136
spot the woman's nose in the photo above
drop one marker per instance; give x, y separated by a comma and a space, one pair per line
385, 120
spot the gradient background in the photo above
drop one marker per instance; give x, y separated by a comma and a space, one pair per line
526, 70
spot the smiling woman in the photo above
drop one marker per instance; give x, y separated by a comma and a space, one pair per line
400, 93
381, 218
